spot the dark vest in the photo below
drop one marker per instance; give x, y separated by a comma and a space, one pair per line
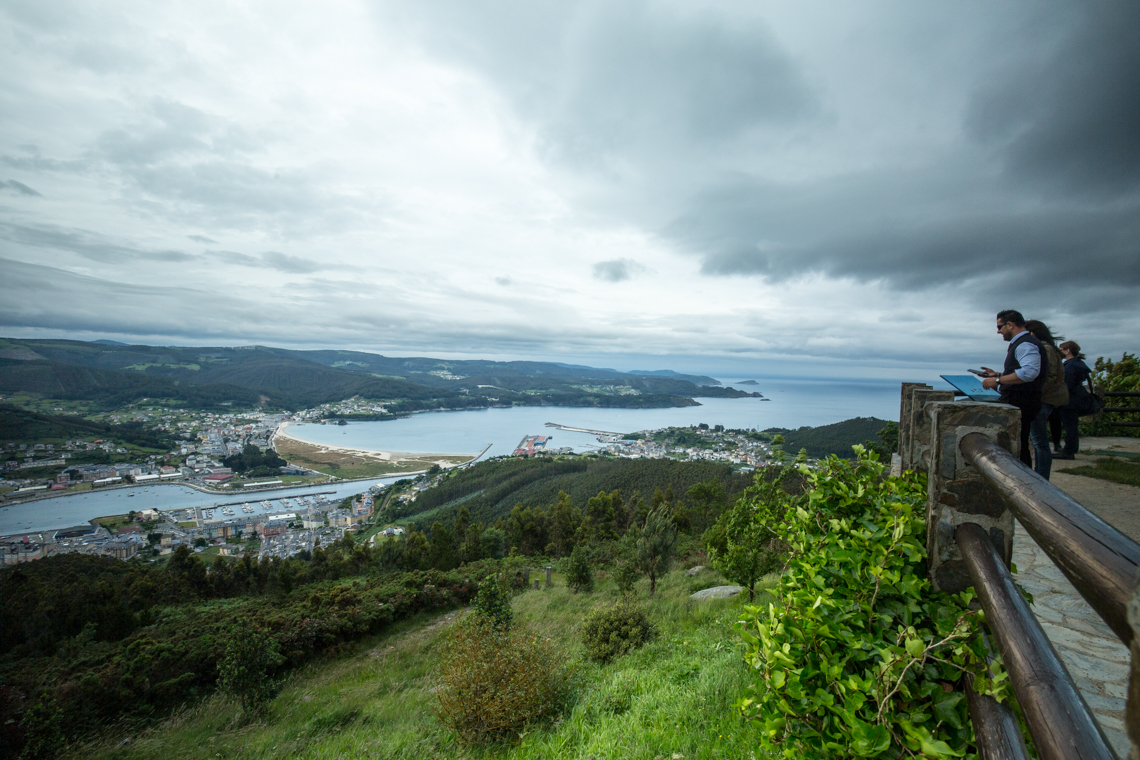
1025, 392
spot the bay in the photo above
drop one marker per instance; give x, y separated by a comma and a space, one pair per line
789, 404
77, 509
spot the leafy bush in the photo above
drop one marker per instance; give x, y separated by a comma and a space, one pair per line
496, 681
493, 601
1123, 375
610, 632
625, 577
246, 671
859, 656
579, 576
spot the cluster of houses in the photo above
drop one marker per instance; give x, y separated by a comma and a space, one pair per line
281, 532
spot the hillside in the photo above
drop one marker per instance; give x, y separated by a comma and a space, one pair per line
208, 377
490, 490
20, 425
837, 438
375, 698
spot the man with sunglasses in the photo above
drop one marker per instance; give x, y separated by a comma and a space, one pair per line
1022, 379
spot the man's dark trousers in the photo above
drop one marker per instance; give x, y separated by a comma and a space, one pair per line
1029, 408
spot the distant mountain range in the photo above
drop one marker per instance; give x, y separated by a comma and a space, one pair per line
108, 374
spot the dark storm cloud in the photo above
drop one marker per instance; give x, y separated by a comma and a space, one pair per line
1073, 121
617, 270
1057, 249
87, 244
19, 188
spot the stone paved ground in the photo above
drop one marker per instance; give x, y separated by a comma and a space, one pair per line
1096, 659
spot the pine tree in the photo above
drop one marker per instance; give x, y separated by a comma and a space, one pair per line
655, 544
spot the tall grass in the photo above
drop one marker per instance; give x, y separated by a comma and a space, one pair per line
671, 698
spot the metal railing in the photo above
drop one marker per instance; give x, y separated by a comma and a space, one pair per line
1121, 409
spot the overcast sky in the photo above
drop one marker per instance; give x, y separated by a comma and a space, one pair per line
732, 187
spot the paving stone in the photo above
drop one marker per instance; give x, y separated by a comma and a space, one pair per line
1048, 614
1095, 627
1104, 704
1118, 741
1086, 645
1117, 689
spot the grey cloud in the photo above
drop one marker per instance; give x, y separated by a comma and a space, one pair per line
19, 188
90, 245
283, 262
1072, 120
504, 281
606, 80
202, 239
617, 270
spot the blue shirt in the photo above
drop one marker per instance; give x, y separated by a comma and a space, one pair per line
1028, 357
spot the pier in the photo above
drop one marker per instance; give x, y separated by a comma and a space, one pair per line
582, 430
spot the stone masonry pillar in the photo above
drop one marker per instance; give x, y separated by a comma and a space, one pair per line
956, 493
549, 569
904, 420
918, 455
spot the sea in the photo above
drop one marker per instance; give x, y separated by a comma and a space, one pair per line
787, 403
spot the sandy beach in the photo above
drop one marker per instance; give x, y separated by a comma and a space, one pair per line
339, 459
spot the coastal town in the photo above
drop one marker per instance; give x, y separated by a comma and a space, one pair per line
240, 521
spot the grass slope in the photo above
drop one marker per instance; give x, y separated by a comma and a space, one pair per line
670, 699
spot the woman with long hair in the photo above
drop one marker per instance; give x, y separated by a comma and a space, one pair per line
1053, 395
1077, 374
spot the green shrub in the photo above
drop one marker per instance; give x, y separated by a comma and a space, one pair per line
626, 576
610, 632
496, 681
493, 601
579, 576
246, 669
859, 656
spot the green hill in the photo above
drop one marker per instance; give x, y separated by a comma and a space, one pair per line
837, 438
209, 377
21, 425
491, 489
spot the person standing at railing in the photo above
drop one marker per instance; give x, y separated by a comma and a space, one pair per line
1077, 373
1054, 394
1022, 379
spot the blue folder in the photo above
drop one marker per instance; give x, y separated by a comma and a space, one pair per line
971, 385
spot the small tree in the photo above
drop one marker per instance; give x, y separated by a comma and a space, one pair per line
625, 576
655, 544
494, 601
246, 669
579, 576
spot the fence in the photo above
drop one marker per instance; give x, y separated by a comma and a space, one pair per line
977, 486
1121, 409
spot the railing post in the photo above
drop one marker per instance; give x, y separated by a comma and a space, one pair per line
920, 430
956, 492
904, 420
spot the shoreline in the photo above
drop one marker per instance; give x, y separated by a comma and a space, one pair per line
380, 455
